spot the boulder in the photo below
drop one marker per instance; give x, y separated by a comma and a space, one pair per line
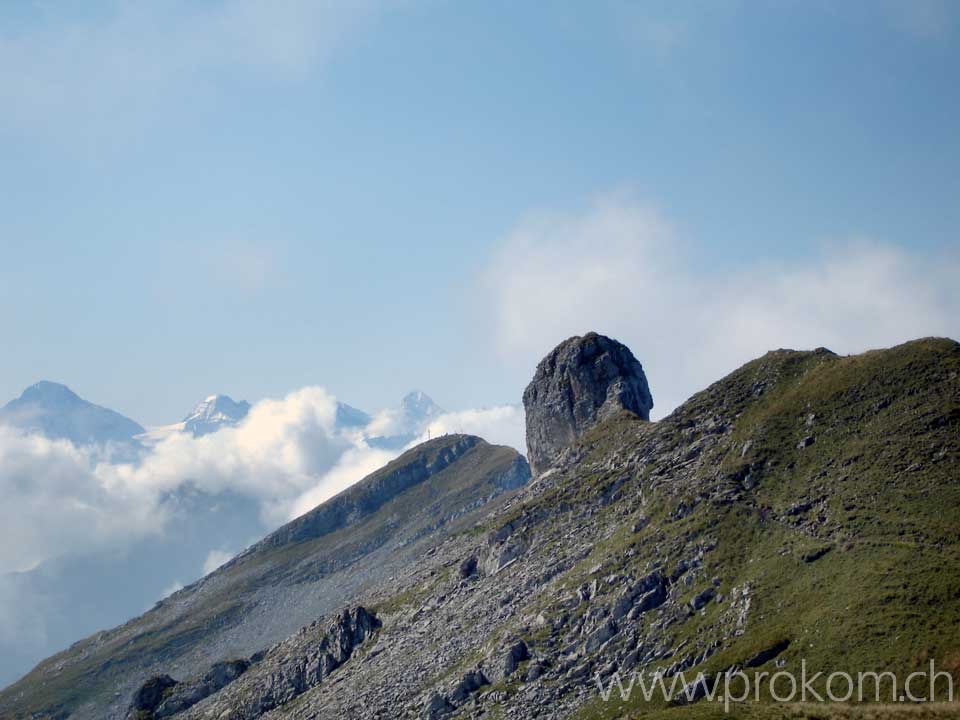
150, 695
516, 654
581, 382
468, 567
437, 707
188, 694
599, 636
469, 684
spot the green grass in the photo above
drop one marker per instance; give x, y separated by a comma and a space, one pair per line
883, 480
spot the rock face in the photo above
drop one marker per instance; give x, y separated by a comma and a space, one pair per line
150, 695
583, 380
162, 696
270, 679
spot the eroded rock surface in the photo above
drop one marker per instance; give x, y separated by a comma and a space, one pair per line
582, 381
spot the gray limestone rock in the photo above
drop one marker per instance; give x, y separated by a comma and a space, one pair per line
582, 381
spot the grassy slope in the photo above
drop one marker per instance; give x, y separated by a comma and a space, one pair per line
90, 668
886, 469
882, 479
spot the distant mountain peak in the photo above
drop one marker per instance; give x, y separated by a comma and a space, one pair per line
224, 402
55, 411
350, 417
213, 413
419, 406
47, 391
416, 411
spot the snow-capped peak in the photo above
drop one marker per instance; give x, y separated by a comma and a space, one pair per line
213, 413
417, 406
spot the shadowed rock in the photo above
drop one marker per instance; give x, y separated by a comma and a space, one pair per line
582, 381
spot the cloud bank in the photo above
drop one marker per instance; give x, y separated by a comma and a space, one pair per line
66, 508
289, 455
55, 500
60, 498
621, 268
500, 425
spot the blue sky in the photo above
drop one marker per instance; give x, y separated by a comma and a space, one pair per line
249, 197
258, 198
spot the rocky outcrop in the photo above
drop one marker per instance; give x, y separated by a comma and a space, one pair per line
288, 669
517, 475
149, 697
582, 381
163, 697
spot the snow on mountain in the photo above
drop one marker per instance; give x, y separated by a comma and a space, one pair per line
216, 412
213, 413
394, 428
55, 411
419, 408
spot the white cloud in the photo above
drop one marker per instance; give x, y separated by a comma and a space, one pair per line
281, 449
175, 586
103, 71
619, 268
54, 499
387, 422
215, 558
500, 425
286, 454
353, 465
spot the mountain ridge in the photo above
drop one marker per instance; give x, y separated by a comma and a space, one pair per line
798, 509
586, 575
227, 606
